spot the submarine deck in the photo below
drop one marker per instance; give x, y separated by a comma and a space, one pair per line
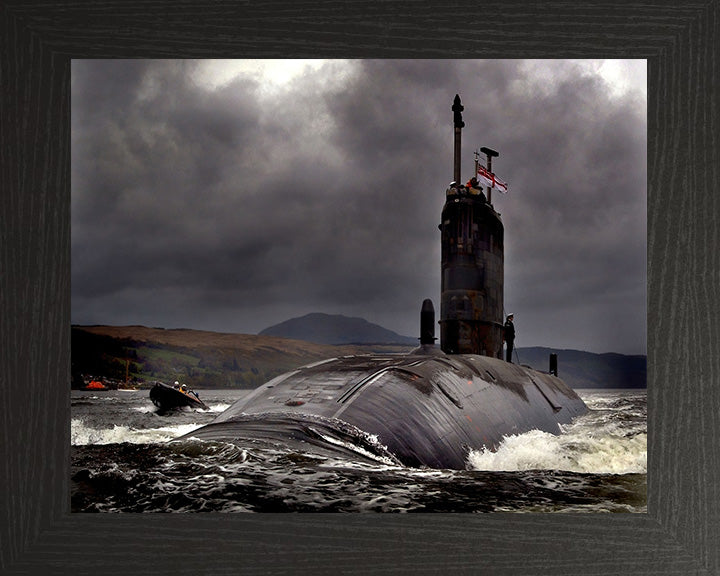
427, 409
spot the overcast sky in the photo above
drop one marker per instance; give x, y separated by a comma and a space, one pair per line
233, 195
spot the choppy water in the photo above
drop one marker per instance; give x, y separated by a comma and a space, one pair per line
122, 461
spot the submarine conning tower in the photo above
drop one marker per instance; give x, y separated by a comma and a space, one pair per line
472, 265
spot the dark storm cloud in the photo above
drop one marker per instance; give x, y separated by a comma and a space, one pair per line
238, 207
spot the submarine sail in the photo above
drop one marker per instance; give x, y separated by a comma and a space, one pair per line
471, 299
433, 405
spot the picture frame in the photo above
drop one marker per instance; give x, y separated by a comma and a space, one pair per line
680, 532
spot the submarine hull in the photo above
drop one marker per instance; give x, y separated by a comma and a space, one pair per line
425, 409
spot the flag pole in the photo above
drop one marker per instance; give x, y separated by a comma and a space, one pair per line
489, 153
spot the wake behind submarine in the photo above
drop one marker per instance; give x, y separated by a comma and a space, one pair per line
431, 406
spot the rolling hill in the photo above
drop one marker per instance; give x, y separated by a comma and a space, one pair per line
199, 359
588, 370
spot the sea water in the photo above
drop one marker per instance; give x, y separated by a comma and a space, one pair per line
124, 459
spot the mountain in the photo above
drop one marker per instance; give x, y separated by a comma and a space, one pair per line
589, 370
336, 330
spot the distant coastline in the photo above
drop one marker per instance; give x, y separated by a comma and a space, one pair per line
137, 356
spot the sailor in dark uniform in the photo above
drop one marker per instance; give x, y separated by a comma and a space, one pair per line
509, 337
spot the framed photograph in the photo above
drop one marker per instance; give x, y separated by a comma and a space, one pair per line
213, 198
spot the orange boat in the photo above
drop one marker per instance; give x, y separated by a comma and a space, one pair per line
95, 385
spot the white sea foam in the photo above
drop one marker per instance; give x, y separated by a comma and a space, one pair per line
610, 439
150, 408
218, 407
145, 409
574, 451
81, 434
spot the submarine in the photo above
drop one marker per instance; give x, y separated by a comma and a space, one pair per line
432, 406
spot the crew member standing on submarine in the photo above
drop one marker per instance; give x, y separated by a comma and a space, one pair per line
509, 337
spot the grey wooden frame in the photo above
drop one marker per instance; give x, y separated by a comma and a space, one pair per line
680, 534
